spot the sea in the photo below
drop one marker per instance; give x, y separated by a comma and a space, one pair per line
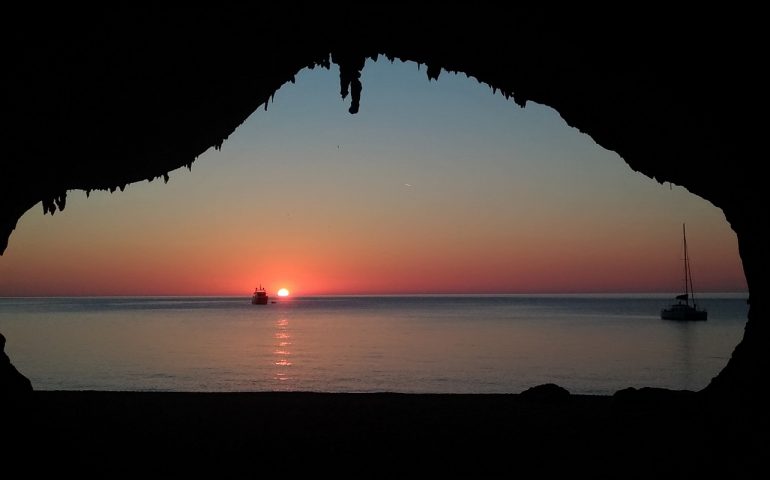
588, 344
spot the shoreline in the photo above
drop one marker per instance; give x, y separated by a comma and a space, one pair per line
635, 433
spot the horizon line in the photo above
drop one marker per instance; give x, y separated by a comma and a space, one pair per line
421, 294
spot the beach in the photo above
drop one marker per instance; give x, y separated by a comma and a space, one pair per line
632, 434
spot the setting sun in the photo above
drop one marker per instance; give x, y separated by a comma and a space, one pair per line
283, 292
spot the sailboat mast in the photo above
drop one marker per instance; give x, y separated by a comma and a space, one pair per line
687, 272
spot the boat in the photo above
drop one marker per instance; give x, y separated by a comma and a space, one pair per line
686, 308
259, 297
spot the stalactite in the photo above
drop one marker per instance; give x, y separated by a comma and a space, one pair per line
350, 77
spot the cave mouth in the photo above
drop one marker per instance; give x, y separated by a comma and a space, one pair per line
425, 175
642, 85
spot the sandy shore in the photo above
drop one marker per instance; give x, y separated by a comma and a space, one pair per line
109, 434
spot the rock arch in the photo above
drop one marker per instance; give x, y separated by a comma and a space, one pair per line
98, 98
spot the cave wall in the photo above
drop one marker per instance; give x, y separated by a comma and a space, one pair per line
97, 98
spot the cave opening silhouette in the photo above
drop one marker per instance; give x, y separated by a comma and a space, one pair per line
124, 88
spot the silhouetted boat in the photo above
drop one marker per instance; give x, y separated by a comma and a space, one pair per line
259, 297
684, 309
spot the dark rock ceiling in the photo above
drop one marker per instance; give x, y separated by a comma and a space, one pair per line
99, 98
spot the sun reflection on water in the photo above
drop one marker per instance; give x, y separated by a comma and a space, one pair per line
282, 352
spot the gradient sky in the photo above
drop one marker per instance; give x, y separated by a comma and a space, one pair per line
434, 187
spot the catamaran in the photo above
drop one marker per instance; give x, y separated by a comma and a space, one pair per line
685, 308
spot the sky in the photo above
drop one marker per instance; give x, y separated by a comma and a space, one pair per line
433, 187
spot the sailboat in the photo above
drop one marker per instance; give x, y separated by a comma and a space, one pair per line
685, 308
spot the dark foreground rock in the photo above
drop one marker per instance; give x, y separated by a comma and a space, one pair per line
13, 385
249, 435
547, 392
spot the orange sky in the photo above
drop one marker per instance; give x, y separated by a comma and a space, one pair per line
435, 187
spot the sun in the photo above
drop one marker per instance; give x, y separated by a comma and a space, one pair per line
283, 292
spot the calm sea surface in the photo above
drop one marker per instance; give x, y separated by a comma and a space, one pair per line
415, 344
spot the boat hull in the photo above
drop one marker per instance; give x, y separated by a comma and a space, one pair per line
259, 300
683, 314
